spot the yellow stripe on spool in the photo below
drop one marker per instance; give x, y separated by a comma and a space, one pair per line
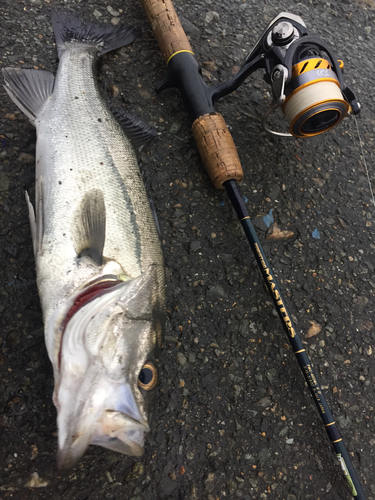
309, 96
309, 65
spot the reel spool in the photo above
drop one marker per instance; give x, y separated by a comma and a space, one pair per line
315, 103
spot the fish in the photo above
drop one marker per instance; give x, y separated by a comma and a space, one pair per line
98, 257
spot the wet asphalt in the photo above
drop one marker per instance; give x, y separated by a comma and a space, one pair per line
234, 418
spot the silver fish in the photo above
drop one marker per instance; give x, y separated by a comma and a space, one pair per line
99, 263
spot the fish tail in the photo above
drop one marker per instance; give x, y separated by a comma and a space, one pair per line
69, 27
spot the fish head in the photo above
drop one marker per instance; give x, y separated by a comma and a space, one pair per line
106, 381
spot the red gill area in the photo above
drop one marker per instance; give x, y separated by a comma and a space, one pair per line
90, 293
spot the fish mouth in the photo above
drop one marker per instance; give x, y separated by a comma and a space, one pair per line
100, 412
122, 433
115, 431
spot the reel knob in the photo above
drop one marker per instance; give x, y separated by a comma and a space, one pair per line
282, 33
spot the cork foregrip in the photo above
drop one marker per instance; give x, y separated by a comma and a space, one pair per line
167, 28
217, 149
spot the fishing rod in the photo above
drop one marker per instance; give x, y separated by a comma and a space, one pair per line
308, 86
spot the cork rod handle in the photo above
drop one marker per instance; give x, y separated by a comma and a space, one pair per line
214, 141
167, 28
217, 149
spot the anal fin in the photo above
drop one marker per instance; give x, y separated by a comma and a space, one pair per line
29, 89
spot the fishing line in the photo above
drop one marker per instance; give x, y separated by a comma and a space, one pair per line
363, 160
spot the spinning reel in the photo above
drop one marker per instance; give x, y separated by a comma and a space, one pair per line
305, 76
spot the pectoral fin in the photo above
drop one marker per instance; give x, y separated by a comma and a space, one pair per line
89, 226
36, 217
32, 222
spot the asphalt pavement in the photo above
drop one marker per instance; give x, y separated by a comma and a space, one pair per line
234, 418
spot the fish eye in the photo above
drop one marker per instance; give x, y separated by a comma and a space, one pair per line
148, 377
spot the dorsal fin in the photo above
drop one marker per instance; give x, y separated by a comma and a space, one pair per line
89, 226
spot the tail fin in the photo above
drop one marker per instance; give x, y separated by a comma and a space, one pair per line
68, 27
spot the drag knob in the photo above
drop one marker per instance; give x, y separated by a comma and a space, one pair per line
282, 33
